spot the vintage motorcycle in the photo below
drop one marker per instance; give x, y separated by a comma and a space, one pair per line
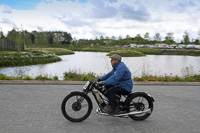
77, 105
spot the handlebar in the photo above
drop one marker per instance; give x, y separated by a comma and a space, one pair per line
100, 87
98, 84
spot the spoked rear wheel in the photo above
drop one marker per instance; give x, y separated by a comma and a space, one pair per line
139, 102
76, 106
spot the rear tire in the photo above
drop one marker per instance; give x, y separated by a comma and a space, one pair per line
139, 102
76, 106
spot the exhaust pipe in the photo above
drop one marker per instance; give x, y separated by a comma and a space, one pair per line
133, 113
98, 110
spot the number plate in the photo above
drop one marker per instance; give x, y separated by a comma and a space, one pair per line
86, 85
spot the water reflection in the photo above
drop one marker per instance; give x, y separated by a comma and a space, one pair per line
99, 63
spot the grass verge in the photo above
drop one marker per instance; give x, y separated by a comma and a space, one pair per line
74, 76
126, 53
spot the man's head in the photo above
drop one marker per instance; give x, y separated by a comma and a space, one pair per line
115, 58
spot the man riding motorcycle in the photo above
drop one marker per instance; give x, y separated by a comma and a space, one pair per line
117, 82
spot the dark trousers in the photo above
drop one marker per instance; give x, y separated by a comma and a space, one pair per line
111, 95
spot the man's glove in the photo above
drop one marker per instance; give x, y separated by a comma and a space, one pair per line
97, 81
101, 84
102, 88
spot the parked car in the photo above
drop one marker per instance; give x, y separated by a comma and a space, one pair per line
162, 46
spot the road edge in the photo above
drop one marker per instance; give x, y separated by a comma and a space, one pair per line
47, 82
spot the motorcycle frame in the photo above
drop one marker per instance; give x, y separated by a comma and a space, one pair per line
90, 89
92, 86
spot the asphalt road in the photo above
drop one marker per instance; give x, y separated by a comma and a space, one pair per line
36, 109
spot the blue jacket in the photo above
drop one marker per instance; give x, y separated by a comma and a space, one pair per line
119, 76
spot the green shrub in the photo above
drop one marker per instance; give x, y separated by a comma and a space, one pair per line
55, 77
41, 77
5, 77
27, 78
177, 78
74, 76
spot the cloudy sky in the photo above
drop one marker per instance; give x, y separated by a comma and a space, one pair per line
94, 18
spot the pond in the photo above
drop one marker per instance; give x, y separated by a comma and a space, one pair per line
99, 63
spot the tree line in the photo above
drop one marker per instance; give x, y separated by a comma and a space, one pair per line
38, 38
138, 39
42, 38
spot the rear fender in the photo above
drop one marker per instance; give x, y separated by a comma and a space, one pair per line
141, 93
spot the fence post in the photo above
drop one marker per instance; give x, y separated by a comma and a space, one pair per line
8, 45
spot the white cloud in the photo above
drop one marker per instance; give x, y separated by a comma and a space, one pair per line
6, 9
108, 17
6, 21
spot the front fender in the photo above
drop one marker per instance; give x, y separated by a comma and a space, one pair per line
74, 92
80, 92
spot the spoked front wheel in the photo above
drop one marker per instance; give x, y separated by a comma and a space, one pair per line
139, 102
76, 106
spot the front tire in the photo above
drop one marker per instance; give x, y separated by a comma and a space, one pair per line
139, 102
76, 106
